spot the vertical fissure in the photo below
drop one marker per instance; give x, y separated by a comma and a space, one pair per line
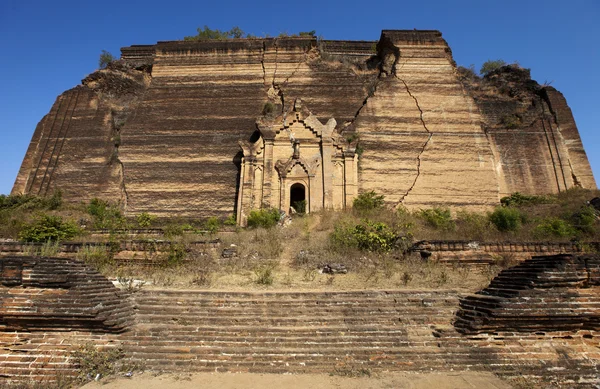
430, 135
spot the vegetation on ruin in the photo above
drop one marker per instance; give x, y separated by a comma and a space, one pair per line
105, 59
207, 33
265, 218
371, 241
490, 65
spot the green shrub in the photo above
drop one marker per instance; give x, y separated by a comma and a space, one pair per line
300, 206
106, 215
585, 220
368, 201
217, 34
367, 236
105, 59
266, 218
438, 218
212, 225
145, 220
554, 227
171, 230
48, 228
176, 254
491, 65
507, 218
230, 221
28, 202
517, 199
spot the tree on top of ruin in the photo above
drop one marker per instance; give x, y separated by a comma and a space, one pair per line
208, 33
105, 59
491, 65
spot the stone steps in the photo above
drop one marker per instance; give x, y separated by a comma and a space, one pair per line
317, 332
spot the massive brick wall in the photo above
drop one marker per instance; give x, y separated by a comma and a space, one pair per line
159, 131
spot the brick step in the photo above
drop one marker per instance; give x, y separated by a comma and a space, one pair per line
289, 322
261, 304
317, 310
293, 319
291, 296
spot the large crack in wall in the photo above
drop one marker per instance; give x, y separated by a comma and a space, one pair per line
118, 120
430, 135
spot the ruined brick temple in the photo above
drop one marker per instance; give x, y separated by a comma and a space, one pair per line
213, 128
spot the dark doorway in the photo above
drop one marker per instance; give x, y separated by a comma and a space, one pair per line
298, 198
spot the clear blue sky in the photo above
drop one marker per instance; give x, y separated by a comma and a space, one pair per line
49, 46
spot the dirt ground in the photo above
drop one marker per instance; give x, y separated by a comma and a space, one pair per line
395, 380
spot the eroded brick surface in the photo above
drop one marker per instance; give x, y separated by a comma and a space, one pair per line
545, 293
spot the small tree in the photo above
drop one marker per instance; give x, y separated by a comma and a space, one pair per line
491, 65
105, 59
368, 201
208, 33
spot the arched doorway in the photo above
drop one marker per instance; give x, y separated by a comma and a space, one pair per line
298, 198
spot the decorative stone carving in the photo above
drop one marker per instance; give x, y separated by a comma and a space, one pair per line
296, 158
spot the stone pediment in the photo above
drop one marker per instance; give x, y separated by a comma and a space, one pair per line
271, 127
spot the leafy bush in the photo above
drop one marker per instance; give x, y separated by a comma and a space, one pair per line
367, 235
230, 221
105, 59
311, 33
300, 206
28, 202
106, 215
176, 254
507, 218
217, 34
48, 228
553, 226
438, 218
518, 199
368, 201
491, 65
266, 218
212, 225
585, 220
145, 220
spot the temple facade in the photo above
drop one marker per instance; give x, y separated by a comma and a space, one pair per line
296, 164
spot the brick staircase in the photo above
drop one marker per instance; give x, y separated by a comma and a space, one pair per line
310, 332
321, 332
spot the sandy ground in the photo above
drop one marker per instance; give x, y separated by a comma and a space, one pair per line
459, 380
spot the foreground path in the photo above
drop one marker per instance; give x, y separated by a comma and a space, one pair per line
463, 380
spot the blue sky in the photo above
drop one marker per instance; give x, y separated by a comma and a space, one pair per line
49, 46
